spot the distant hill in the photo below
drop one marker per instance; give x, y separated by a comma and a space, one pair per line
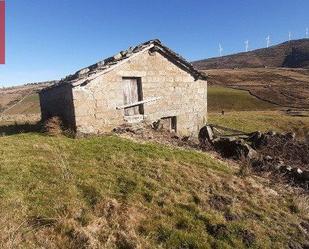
286, 87
21, 99
291, 54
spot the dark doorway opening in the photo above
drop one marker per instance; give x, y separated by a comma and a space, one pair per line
169, 123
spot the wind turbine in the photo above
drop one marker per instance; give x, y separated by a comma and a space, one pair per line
267, 41
307, 33
220, 49
290, 35
247, 45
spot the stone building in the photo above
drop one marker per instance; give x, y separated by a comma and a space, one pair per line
145, 83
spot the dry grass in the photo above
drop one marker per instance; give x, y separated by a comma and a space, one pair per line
110, 192
285, 87
25, 97
228, 99
53, 126
250, 121
244, 112
19, 119
28, 105
300, 204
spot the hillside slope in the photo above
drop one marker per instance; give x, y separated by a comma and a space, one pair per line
109, 192
12, 96
281, 86
292, 54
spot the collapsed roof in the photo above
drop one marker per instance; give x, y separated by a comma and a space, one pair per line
83, 76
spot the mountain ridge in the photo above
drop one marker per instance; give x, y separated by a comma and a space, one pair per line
289, 54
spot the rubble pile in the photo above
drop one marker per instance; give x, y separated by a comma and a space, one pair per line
151, 132
281, 154
233, 147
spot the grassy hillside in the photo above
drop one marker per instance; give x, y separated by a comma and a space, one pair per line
291, 54
228, 99
250, 121
246, 113
110, 192
278, 74
285, 87
28, 105
10, 96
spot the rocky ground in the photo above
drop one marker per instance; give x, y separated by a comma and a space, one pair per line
277, 155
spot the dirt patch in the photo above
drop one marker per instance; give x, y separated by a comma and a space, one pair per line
218, 231
149, 132
247, 237
283, 147
220, 202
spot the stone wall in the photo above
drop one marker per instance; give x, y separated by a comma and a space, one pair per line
180, 95
58, 101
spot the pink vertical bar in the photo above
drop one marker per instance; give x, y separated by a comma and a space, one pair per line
2, 32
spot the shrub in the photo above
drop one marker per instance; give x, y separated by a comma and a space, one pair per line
53, 126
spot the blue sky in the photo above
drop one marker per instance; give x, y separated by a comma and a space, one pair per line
48, 39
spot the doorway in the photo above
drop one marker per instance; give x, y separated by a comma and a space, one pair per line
132, 93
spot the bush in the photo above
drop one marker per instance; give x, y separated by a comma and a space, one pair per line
53, 126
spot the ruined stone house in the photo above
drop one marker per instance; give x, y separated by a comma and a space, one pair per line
145, 83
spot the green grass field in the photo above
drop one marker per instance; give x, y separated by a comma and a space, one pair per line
228, 99
249, 121
247, 113
108, 192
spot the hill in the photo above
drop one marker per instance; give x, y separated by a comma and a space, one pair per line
278, 74
110, 192
291, 54
24, 96
280, 86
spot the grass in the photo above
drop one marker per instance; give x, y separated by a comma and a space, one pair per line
249, 121
228, 99
29, 105
286, 87
108, 192
246, 113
